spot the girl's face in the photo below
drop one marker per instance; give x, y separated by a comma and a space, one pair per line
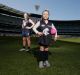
25, 16
45, 15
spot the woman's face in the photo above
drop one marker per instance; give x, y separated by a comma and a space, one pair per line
45, 15
25, 16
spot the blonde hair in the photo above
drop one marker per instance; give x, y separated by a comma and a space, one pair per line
26, 14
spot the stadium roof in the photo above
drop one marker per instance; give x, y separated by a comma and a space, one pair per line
6, 8
18, 12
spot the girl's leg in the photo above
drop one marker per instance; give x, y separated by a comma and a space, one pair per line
46, 63
24, 42
28, 42
46, 52
41, 57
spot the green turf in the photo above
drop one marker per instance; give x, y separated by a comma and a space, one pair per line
73, 39
64, 58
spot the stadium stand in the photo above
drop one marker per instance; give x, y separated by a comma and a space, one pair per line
71, 27
11, 20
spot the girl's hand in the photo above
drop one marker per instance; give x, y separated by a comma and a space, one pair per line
40, 33
55, 38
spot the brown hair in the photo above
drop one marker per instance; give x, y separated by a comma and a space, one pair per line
43, 12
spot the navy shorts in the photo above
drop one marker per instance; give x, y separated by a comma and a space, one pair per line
26, 32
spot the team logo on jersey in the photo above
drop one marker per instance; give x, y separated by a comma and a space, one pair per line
46, 31
42, 25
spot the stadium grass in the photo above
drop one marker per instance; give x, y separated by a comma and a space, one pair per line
64, 58
73, 39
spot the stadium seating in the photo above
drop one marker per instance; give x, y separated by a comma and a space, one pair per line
10, 22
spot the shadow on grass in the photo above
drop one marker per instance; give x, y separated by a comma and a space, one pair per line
35, 52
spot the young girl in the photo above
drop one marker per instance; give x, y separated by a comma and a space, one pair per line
42, 28
27, 25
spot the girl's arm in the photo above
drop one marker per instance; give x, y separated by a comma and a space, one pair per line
23, 24
35, 28
30, 21
55, 36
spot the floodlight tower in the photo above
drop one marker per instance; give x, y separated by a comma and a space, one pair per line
37, 6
